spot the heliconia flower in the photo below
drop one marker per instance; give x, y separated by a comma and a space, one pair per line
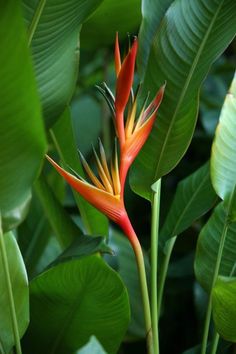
137, 132
125, 76
104, 193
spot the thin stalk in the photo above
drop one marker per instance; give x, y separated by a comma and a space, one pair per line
9, 291
163, 271
35, 20
215, 275
129, 231
215, 342
154, 261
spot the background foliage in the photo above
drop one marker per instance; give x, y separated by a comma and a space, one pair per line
72, 256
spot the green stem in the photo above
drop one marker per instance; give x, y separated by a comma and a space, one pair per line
163, 271
215, 342
35, 20
10, 292
154, 261
215, 275
129, 231
145, 297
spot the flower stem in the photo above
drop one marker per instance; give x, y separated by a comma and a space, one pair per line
129, 231
163, 271
35, 20
9, 291
154, 260
215, 342
215, 275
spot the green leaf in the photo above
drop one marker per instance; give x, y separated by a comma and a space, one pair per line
74, 300
208, 245
22, 143
65, 229
122, 16
125, 264
193, 198
81, 247
92, 347
223, 167
55, 49
224, 307
190, 38
94, 221
19, 285
152, 14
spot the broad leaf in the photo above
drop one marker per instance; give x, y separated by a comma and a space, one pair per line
55, 49
193, 198
152, 14
122, 16
22, 142
94, 221
93, 346
19, 285
191, 36
224, 307
208, 245
223, 166
74, 300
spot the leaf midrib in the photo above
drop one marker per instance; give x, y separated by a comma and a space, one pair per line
185, 87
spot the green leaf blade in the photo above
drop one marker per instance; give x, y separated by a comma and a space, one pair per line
193, 198
224, 307
74, 300
55, 50
191, 36
22, 143
19, 284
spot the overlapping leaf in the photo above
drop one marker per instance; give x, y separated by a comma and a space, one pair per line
19, 284
194, 197
55, 49
192, 35
223, 166
22, 142
74, 300
208, 246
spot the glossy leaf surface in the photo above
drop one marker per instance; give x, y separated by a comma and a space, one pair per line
93, 346
208, 245
224, 307
22, 142
192, 35
19, 284
194, 197
55, 49
223, 166
74, 300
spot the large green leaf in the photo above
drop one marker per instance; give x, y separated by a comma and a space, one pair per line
19, 286
55, 49
224, 307
194, 197
94, 221
22, 142
122, 16
191, 36
152, 14
223, 166
74, 300
208, 245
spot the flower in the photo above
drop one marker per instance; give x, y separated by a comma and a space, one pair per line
104, 193
132, 133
